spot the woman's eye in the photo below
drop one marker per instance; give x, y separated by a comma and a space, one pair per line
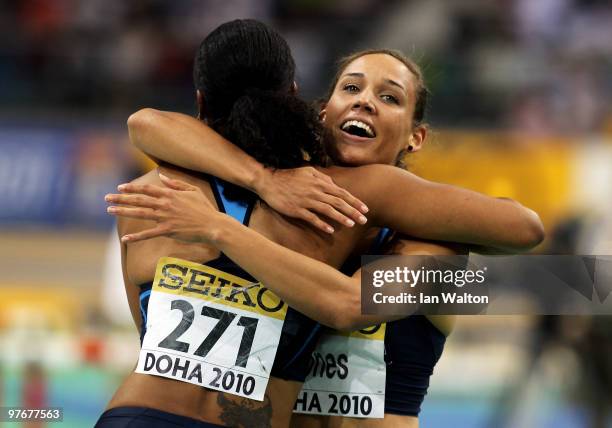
351, 88
390, 99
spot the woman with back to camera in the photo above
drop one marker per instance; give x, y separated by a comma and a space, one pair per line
369, 74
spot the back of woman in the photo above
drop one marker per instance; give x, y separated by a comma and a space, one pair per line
204, 321
187, 399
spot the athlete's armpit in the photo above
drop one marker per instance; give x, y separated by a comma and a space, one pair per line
244, 413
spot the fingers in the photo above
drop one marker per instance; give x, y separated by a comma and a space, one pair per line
334, 189
133, 200
145, 189
329, 211
145, 234
342, 212
176, 184
314, 220
334, 208
141, 213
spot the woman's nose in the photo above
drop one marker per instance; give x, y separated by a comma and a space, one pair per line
364, 103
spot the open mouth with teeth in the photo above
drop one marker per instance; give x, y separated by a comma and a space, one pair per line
358, 128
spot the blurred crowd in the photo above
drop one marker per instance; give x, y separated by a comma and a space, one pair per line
535, 66
525, 75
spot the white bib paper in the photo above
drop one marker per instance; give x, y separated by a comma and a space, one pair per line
347, 376
210, 328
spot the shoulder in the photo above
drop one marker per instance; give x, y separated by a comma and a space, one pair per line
370, 178
194, 178
376, 173
385, 189
364, 170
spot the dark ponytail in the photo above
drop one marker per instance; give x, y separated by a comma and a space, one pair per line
280, 130
245, 72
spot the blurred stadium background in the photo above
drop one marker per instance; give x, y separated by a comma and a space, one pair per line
521, 108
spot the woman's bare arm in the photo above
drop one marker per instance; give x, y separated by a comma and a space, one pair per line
304, 193
434, 211
413, 206
419, 207
184, 141
319, 291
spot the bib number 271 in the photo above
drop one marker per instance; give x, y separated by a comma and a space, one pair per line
224, 318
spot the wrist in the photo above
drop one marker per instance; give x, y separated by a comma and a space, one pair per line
259, 179
223, 225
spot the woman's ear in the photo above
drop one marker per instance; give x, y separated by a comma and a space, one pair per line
323, 112
417, 138
294, 88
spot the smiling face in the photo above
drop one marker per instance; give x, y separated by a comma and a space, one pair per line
369, 114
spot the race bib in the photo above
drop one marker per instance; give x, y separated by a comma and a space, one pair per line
210, 328
347, 375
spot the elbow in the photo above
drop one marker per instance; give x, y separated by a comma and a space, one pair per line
347, 314
532, 232
342, 323
140, 122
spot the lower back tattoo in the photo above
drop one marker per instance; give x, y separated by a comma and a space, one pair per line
244, 413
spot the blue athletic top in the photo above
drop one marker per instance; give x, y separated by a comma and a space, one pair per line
413, 346
299, 335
